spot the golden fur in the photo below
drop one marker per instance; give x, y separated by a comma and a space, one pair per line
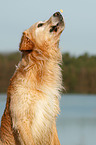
33, 94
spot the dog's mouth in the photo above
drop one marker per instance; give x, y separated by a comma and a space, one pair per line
57, 22
55, 28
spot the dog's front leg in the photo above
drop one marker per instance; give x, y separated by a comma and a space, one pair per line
55, 140
25, 134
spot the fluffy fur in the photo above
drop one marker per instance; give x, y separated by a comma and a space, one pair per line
33, 94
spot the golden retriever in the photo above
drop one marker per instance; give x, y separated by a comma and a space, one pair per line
33, 94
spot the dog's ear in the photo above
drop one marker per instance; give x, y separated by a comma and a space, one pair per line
26, 43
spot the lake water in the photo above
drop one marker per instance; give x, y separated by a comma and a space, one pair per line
76, 123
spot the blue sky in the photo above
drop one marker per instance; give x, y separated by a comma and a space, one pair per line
78, 37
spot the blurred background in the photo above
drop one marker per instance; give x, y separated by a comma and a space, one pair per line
77, 121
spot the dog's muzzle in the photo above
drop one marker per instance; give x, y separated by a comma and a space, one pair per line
57, 21
58, 16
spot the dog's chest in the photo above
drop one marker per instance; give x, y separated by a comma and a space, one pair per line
45, 111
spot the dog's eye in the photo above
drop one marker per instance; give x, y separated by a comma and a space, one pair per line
40, 25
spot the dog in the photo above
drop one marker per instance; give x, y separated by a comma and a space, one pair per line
34, 90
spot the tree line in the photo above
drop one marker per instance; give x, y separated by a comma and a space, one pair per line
78, 73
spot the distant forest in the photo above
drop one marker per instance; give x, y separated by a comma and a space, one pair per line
79, 73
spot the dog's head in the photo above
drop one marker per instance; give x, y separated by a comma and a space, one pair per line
43, 35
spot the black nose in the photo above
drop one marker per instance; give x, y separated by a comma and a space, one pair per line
57, 14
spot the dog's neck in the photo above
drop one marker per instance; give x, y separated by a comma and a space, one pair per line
43, 66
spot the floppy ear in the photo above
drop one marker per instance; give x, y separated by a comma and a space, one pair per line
26, 43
